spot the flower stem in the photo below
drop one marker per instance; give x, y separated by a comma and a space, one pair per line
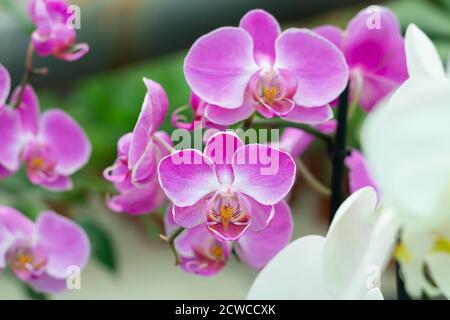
283, 124
339, 154
171, 241
29, 71
313, 182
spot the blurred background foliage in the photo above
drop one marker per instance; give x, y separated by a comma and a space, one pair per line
106, 104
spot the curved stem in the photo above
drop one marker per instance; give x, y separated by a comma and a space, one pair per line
283, 124
357, 95
313, 182
29, 71
171, 241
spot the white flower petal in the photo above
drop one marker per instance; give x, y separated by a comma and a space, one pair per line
439, 265
295, 273
407, 145
421, 55
374, 294
356, 242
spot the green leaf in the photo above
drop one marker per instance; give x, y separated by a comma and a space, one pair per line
101, 244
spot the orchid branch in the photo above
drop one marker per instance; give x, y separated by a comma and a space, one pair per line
313, 182
29, 71
283, 124
171, 241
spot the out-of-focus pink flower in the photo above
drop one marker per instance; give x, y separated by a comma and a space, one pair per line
52, 145
41, 253
53, 34
294, 74
203, 254
375, 54
134, 173
198, 107
359, 174
231, 187
296, 141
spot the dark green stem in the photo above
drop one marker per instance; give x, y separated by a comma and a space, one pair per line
280, 123
171, 241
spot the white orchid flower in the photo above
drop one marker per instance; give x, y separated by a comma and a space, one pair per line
406, 141
346, 264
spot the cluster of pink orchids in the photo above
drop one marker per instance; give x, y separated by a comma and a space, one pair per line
222, 200
52, 147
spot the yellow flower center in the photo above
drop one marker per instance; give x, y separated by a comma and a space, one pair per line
269, 94
217, 252
402, 253
37, 164
226, 213
441, 245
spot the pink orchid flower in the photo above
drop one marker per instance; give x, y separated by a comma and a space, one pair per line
237, 70
203, 254
198, 107
52, 145
375, 54
231, 187
42, 253
296, 141
134, 171
359, 174
53, 34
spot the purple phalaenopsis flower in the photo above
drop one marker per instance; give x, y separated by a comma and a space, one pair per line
42, 253
359, 174
54, 35
52, 145
294, 74
375, 53
134, 173
198, 107
203, 254
231, 187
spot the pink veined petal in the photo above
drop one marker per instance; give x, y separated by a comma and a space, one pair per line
260, 215
314, 115
359, 176
331, 33
370, 38
11, 139
65, 243
5, 85
15, 223
48, 284
145, 169
256, 249
28, 109
319, 66
219, 65
264, 29
187, 176
263, 173
228, 117
153, 112
75, 52
220, 148
374, 89
138, 200
67, 139
60, 183
191, 216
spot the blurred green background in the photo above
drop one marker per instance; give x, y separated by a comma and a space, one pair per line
104, 94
